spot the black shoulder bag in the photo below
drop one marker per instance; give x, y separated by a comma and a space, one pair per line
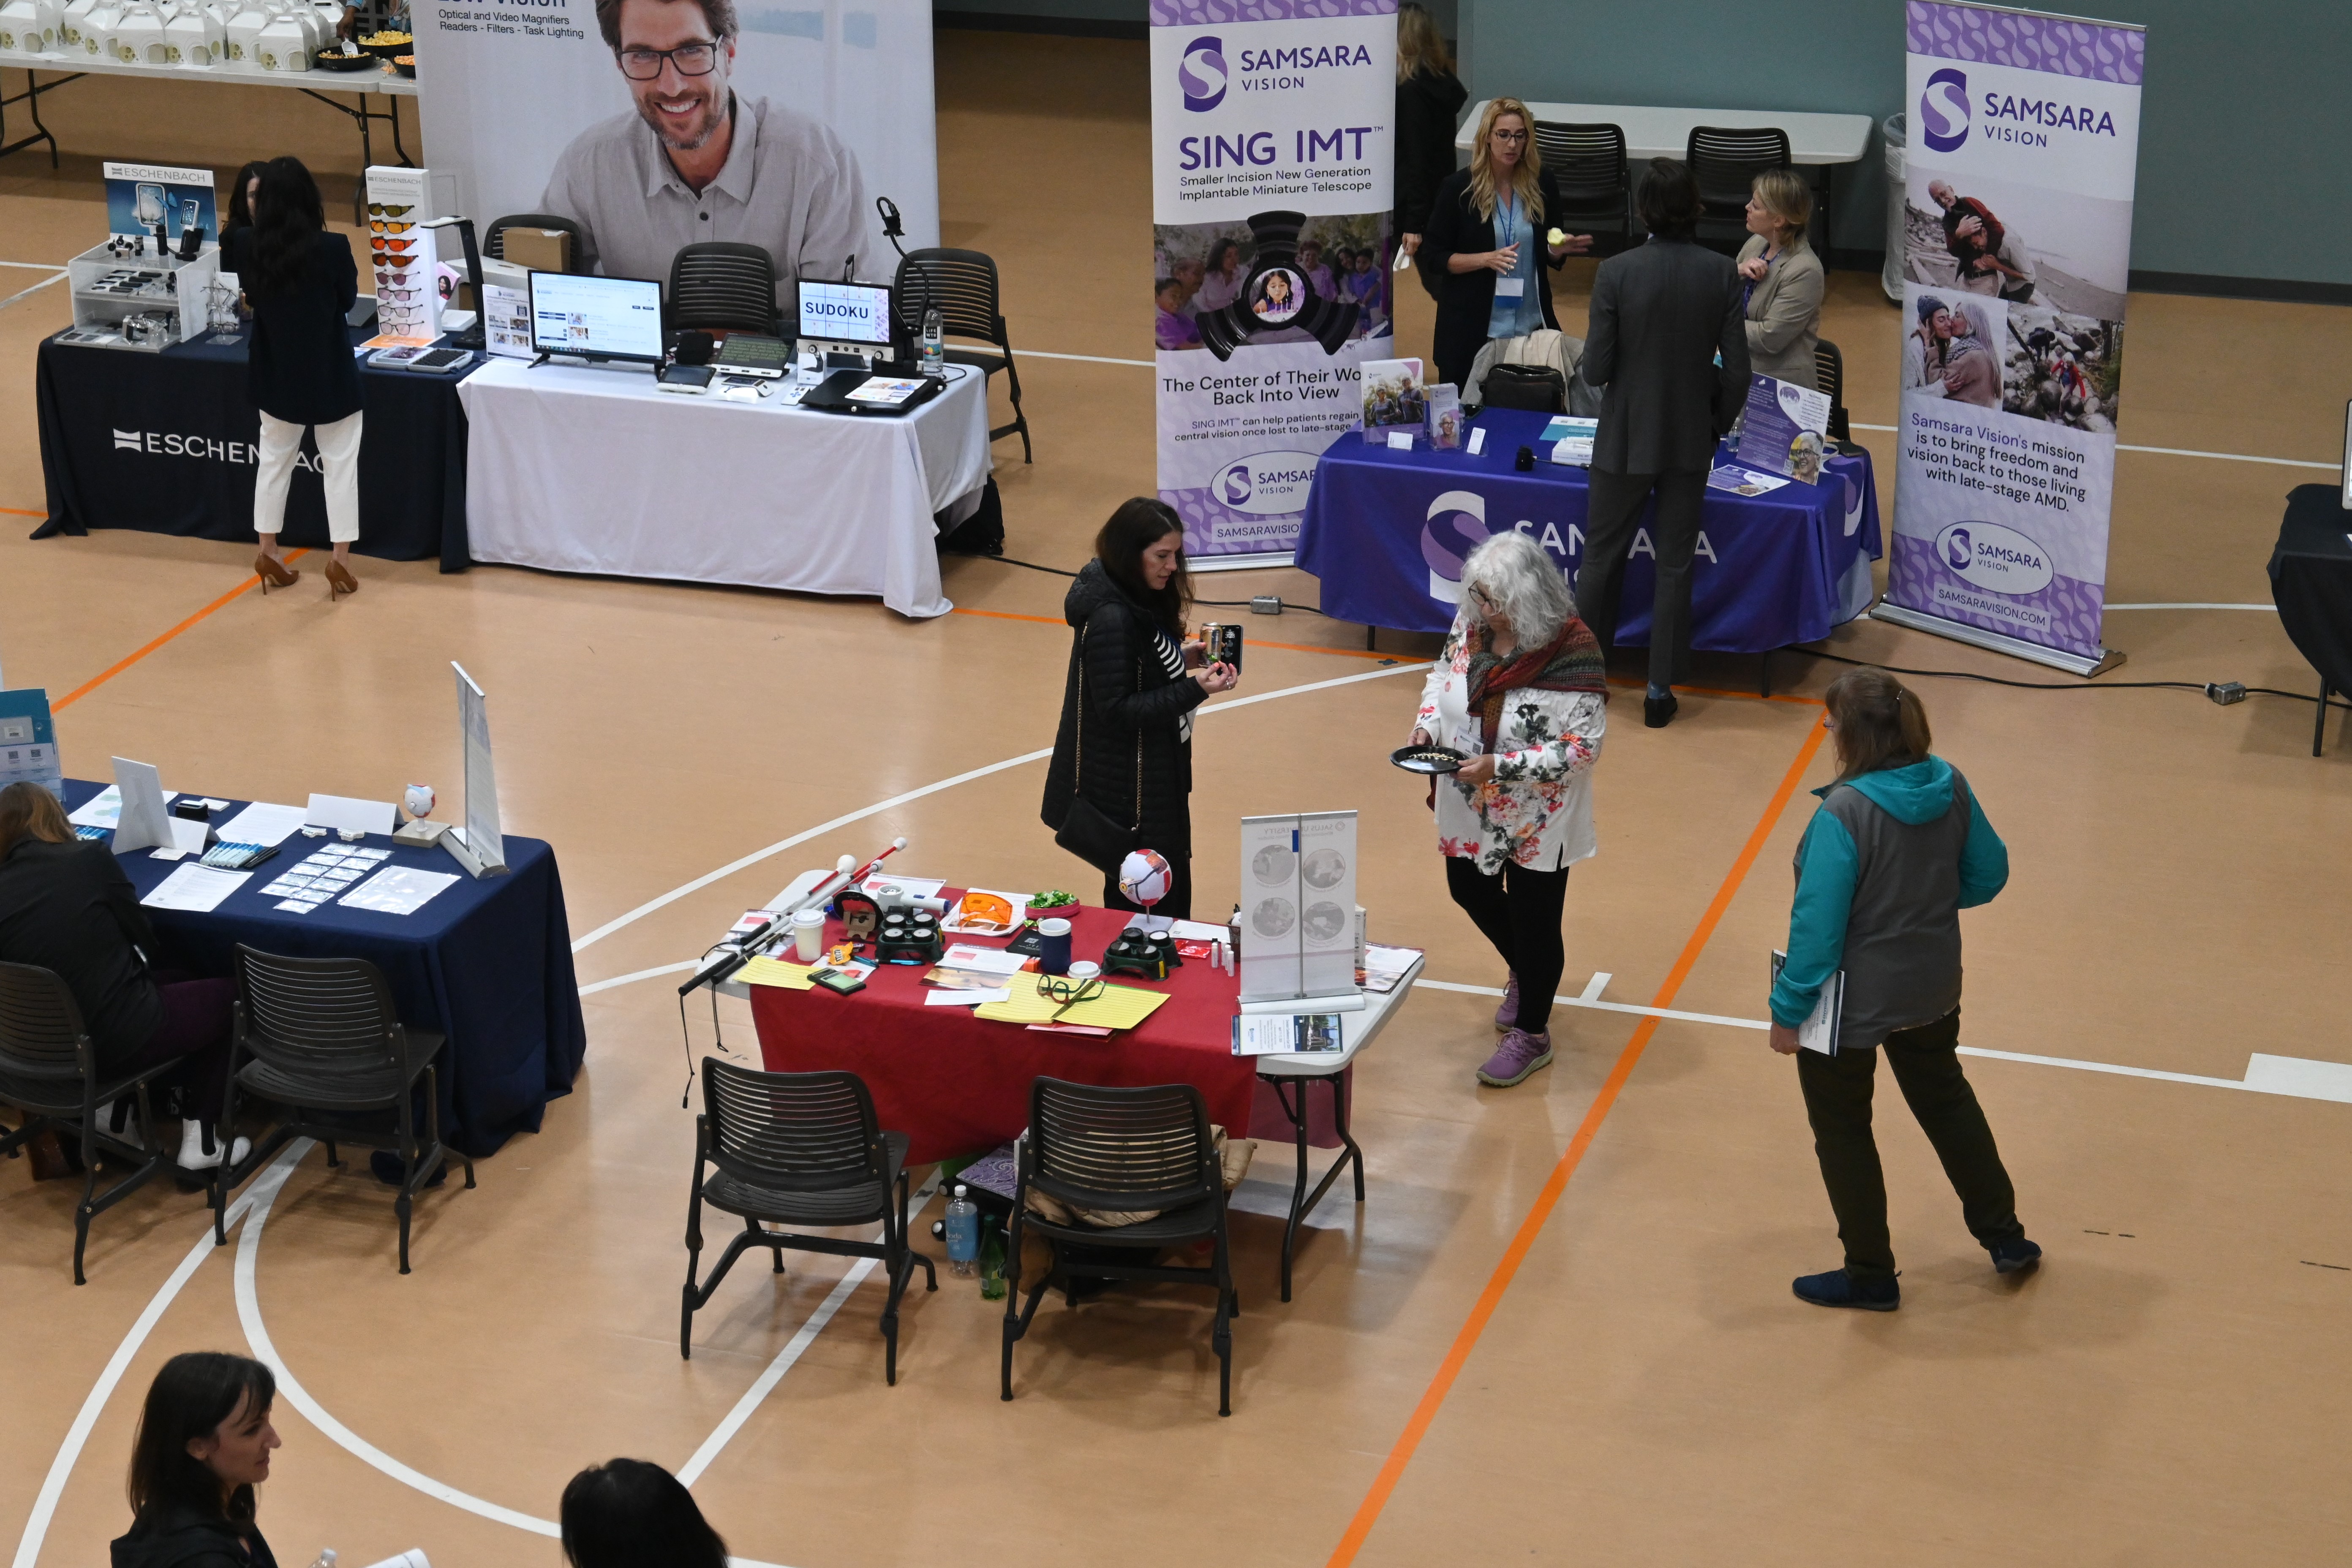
1085, 832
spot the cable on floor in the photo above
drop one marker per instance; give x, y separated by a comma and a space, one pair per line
1282, 605
2223, 693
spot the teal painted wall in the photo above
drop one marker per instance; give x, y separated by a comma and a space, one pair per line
2245, 114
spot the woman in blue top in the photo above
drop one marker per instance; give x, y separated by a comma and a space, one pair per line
1487, 251
1898, 848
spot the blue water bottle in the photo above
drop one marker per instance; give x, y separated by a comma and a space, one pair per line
963, 1232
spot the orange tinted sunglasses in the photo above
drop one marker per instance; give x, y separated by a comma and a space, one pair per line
383, 228
397, 247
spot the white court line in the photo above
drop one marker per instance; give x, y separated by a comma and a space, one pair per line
34, 265
724, 1431
2173, 452
45, 1506
36, 288
1089, 359
609, 927
1588, 1000
678, 968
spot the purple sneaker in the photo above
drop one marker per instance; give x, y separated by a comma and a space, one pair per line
1515, 1058
1507, 1016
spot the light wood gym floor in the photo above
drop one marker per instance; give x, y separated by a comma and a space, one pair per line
1481, 1364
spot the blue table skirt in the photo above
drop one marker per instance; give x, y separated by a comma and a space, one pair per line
165, 442
487, 963
1387, 533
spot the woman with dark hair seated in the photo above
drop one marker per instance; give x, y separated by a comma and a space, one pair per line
203, 1445
628, 1514
1124, 751
67, 907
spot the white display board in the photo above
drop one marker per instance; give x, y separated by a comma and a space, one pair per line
1298, 906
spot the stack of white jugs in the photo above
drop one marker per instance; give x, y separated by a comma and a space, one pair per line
31, 26
274, 35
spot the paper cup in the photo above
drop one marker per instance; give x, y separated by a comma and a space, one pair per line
808, 934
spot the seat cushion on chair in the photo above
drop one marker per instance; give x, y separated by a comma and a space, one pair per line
861, 1203
1195, 1219
378, 1090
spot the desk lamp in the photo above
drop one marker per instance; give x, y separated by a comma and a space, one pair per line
472, 337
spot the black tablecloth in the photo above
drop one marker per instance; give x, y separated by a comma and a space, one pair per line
487, 963
166, 442
2311, 580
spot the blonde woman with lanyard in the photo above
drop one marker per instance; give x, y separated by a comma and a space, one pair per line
1481, 246
1519, 687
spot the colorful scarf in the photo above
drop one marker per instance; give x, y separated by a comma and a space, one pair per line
1573, 663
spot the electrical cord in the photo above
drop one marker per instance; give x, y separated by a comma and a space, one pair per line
2222, 692
1215, 604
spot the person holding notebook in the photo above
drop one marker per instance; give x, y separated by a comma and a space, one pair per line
1898, 847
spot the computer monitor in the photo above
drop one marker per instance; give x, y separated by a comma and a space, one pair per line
852, 315
596, 317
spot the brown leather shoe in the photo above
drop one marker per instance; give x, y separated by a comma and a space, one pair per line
339, 580
273, 572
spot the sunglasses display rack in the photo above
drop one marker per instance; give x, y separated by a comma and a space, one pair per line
140, 301
400, 255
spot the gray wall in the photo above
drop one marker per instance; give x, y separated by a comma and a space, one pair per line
2243, 119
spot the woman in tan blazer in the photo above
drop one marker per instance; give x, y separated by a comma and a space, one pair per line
1783, 277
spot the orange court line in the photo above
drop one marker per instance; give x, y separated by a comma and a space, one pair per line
1417, 1425
118, 666
20, 511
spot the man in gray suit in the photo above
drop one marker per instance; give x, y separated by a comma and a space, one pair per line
1667, 343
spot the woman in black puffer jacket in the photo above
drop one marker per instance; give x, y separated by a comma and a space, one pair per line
1129, 754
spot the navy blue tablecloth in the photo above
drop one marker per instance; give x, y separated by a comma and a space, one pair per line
1386, 531
165, 442
487, 963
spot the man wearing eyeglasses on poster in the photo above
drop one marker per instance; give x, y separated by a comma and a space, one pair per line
693, 162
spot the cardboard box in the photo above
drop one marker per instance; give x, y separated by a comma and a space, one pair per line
539, 249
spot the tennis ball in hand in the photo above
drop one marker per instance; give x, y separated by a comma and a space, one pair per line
1555, 238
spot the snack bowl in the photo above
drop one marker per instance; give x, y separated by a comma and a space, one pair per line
406, 65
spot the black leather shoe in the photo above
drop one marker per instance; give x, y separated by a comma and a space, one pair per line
1657, 712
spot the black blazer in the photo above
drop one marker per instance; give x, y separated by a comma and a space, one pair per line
69, 908
298, 367
1132, 709
1426, 104
1465, 300
1661, 313
178, 1538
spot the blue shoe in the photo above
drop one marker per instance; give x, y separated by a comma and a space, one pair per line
2015, 1257
1840, 1288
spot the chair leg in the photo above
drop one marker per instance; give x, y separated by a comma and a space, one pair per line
432, 1120
1013, 384
693, 1259
1222, 1335
2320, 724
1013, 1324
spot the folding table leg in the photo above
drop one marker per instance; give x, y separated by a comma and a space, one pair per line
1299, 1189
2319, 725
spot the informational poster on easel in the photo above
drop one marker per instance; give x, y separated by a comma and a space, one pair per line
1298, 912
29, 741
480, 847
159, 202
401, 253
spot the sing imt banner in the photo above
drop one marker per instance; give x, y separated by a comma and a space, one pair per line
1271, 185
2017, 255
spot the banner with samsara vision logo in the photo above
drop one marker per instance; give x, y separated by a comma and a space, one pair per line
1270, 170
2016, 250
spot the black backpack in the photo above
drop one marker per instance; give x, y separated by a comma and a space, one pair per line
1536, 386
982, 533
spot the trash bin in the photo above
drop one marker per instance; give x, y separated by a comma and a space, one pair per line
1897, 226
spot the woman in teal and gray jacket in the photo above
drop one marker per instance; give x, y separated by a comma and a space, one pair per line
1898, 848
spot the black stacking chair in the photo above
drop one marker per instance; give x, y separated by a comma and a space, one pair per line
320, 1039
50, 1071
1587, 163
1121, 1150
1725, 161
798, 1149
961, 285
494, 245
721, 286
1828, 376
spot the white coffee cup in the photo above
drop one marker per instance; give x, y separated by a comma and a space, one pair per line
1082, 969
808, 934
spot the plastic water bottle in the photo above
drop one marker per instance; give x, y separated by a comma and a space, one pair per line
963, 1232
326, 1559
935, 353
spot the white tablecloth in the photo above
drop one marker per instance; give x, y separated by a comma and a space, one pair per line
584, 470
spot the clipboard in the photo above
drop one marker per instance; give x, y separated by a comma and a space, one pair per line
1819, 1032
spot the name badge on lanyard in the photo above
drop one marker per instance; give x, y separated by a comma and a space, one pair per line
1510, 288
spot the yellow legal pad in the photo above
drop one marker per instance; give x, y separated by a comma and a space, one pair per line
773, 972
1118, 1007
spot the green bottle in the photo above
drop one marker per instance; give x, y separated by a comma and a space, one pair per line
991, 1259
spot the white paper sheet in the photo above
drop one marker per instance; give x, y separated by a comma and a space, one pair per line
401, 890
262, 823
199, 889
987, 960
936, 998
341, 811
913, 887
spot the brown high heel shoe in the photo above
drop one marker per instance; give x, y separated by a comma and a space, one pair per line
273, 572
339, 581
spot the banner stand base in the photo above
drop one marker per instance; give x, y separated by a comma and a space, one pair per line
1261, 562
1976, 636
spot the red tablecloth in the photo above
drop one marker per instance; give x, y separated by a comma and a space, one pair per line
958, 1085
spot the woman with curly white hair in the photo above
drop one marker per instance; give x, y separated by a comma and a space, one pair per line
1520, 690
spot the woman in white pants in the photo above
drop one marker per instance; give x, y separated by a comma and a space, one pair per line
300, 279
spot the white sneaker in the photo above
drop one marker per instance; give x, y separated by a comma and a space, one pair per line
201, 1151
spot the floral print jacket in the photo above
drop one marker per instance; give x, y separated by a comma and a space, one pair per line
1538, 810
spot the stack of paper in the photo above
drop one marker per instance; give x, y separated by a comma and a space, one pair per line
1571, 439
196, 888
1384, 966
1117, 1007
